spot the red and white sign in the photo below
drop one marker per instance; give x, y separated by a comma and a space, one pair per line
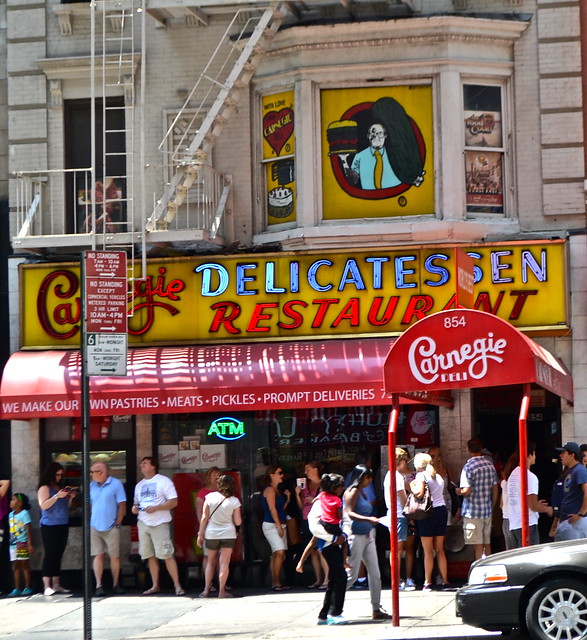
106, 292
464, 348
465, 279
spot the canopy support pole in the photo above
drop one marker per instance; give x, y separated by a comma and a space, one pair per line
523, 444
393, 542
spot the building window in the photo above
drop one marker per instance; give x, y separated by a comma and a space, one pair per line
110, 171
112, 441
484, 148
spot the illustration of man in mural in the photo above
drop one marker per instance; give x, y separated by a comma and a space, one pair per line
394, 156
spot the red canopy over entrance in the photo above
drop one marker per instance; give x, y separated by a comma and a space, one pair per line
460, 349
463, 348
242, 377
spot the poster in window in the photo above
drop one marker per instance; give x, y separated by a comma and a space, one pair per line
377, 152
278, 156
483, 172
483, 129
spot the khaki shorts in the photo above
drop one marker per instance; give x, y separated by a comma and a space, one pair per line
224, 543
105, 541
276, 542
155, 541
477, 530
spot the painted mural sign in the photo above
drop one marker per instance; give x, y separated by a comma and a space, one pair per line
278, 156
377, 150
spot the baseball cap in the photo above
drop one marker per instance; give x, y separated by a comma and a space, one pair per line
571, 447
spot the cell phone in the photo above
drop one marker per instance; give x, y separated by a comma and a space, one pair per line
68, 489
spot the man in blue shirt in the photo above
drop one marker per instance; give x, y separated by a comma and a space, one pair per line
108, 501
573, 504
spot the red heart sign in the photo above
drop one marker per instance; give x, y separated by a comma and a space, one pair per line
278, 127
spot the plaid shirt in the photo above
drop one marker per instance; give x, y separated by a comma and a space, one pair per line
479, 474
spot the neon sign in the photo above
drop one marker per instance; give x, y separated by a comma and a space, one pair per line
227, 428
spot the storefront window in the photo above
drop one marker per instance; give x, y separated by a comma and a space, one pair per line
250, 442
112, 442
484, 148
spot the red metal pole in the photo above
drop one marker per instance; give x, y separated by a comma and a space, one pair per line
393, 544
523, 444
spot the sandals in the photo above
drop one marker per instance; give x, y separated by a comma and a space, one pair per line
179, 591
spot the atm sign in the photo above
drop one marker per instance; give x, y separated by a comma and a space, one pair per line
227, 428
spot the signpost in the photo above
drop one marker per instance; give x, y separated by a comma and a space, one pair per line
104, 349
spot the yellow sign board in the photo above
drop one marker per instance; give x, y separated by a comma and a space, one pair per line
306, 295
377, 152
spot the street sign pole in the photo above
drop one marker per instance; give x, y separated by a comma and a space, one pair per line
86, 409
104, 337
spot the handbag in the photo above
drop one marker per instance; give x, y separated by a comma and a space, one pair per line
418, 508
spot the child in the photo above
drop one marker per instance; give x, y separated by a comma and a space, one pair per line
21, 546
331, 503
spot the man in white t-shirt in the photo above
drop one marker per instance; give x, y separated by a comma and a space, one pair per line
514, 503
155, 497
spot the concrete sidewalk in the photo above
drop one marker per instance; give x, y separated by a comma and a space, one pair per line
251, 614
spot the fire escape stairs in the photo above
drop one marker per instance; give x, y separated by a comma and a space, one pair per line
229, 92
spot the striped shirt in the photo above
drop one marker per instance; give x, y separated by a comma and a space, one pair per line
479, 474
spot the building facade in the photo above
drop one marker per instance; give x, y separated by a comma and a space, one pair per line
291, 183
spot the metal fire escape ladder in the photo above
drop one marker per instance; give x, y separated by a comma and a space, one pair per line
221, 98
116, 70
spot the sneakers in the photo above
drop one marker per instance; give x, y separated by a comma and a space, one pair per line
361, 584
410, 585
49, 592
322, 621
14, 593
427, 588
27, 592
336, 620
437, 581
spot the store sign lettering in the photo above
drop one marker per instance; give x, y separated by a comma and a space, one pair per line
227, 428
470, 360
250, 297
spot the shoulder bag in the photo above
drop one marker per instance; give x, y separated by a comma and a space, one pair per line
418, 508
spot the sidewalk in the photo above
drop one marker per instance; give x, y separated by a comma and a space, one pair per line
251, 614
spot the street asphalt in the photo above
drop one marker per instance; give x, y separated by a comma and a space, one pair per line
250, 614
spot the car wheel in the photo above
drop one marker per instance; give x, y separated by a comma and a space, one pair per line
558, 611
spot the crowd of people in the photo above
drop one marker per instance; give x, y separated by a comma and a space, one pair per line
336, 521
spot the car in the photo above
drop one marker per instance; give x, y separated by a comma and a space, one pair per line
540, 590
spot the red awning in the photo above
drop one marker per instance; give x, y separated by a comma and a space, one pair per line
464, 348
241, 377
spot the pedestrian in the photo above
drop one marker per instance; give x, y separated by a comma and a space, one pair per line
479, 487
362, 546
432, 529
364, 457
331, 547
401, 487
305, 496
54, 500
221, 520
573, 505
510, 465
155, 496
210, 485
535, 506
108, 504
274, 503
4, 507
584, 454
21, 544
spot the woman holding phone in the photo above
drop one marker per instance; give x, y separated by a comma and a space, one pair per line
54, 502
